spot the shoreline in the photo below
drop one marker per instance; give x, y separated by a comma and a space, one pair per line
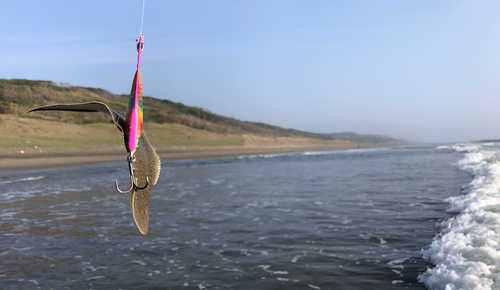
17, 159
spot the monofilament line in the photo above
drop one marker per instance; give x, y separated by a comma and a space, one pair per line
142, 18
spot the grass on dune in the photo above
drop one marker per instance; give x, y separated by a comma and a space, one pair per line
27, 133
180, 135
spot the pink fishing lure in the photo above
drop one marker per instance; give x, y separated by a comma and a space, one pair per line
134, 119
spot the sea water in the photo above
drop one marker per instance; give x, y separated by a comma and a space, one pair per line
390, 218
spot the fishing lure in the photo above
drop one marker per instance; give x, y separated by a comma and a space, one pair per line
134, 120
135, 111
143, 162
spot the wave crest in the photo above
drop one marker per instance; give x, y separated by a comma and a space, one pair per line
467, 251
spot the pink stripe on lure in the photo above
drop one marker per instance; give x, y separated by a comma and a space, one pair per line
134, 119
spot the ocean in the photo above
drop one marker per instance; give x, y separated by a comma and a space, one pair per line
416, 217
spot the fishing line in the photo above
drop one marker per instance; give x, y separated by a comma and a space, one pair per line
142, 19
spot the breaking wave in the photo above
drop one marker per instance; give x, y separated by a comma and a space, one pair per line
466, 253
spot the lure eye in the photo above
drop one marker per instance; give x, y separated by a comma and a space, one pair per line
141, 45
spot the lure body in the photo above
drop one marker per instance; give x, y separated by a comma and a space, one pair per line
134, 120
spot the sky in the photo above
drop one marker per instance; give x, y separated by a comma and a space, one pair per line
425, 71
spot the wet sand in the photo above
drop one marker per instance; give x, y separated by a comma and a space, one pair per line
11, 159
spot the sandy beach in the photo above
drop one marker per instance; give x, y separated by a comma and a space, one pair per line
12, 159
33, 143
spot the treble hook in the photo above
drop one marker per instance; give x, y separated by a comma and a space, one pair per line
133, 185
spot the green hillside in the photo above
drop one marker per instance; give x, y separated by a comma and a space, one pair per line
17, 96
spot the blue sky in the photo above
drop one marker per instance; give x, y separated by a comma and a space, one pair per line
426, 71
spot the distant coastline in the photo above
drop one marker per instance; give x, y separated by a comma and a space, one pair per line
17, 96
177, 131
488, 141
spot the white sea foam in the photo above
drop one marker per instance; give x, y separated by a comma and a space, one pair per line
349, 151
96, 277
467, 252
443, 147
266, 155
8, 214
139, 262
21, 179
462, 147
